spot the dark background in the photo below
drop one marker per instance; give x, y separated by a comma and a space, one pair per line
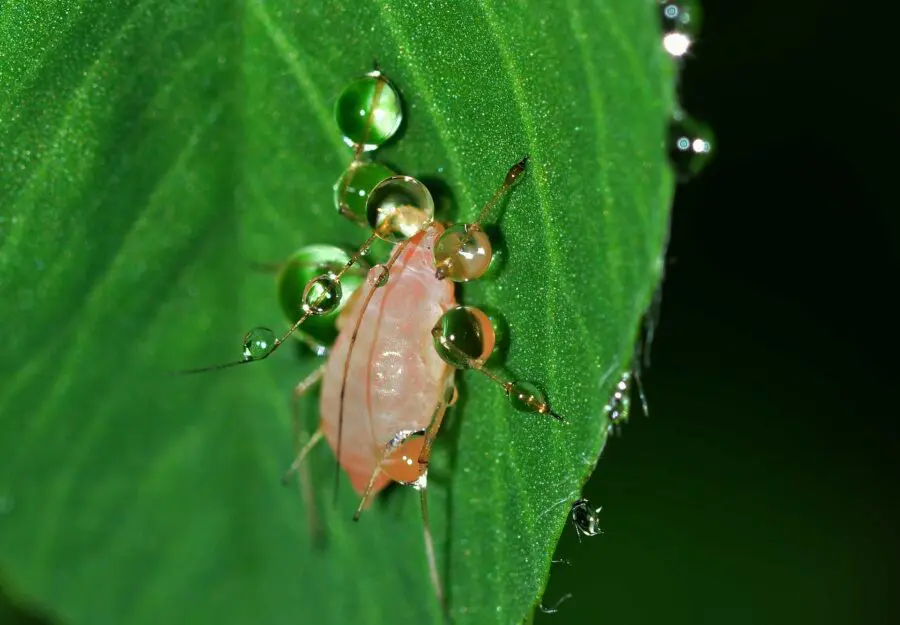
760, 488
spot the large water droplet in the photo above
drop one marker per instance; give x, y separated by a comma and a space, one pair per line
398, 208
354, 186
462, 336
304, 265
586, 518
259, 343
691, 145
368, 111
462, 253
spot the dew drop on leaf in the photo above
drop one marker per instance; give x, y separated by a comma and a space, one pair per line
368, 111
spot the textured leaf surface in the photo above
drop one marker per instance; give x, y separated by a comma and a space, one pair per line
151, 151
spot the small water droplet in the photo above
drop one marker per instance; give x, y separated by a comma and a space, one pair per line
618, 407
691, 146
259, 343
322, 294
525, 396
586, 518
378, 276
680, 26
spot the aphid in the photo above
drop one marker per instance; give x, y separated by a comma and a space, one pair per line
585, 518
401, 335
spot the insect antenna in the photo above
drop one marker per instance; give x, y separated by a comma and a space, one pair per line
321, 296
514, 173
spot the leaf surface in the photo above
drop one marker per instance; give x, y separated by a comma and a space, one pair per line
152, 151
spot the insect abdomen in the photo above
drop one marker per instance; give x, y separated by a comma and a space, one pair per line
395, 377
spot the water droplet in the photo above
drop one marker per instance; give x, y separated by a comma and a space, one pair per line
398, 208
525, 397
462, 335
378, 276
322, 294
354, 186
259, 343
691, 146
585, 518
304, 265
618, 407
368, 111
680, 25
462, 253
401, 461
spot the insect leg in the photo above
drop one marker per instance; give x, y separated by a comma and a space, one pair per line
424, 457
464, 322
367, 493
436, 420
297, 466
429, 550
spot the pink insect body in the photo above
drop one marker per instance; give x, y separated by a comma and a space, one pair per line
395, 377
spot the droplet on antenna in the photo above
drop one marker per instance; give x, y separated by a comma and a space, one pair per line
322, 295
369, 111
259, 343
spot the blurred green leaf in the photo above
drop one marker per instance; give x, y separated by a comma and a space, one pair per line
152, 151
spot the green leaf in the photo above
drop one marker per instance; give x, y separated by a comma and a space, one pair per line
151, 151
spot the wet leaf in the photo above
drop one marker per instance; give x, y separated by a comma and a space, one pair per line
152, 152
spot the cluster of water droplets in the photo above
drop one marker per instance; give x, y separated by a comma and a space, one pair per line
369, 113
690, 142
618, 407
